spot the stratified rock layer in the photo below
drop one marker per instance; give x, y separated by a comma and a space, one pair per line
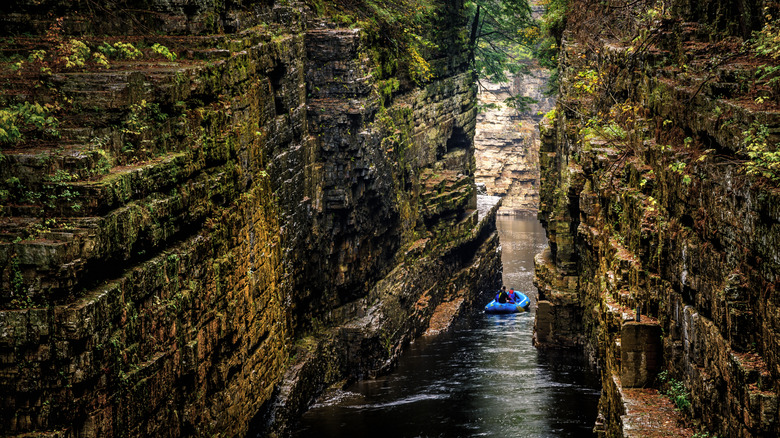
507, 141
663, 259
210, 240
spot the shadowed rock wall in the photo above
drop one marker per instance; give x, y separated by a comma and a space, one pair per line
650, 206
198, 244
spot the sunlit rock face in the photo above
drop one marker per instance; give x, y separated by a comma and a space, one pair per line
663, 255
209, 239
507, 141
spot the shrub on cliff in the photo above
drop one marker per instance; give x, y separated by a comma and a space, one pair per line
398, 33
552, 24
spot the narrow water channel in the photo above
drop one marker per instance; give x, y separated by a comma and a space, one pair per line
482, 378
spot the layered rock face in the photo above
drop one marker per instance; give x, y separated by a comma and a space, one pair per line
198, 243
507, 141
664, 227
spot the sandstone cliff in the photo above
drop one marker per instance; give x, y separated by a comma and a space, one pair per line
659, 199
507, 141
212, 210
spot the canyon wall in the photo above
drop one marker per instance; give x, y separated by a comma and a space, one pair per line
197, 238
507, 141
661, 206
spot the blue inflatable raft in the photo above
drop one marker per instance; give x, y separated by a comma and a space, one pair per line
520, 304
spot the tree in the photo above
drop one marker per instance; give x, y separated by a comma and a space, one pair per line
503, 34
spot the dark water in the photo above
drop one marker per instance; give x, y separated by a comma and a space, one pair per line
482, 378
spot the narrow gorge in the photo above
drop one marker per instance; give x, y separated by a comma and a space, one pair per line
211, 212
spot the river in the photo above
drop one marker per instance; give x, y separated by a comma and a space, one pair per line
482, 378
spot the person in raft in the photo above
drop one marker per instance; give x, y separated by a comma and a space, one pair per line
502, 296
511, 295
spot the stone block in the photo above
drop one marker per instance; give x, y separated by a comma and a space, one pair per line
641, 353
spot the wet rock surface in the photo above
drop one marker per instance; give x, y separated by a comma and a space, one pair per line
214, 238
651, 212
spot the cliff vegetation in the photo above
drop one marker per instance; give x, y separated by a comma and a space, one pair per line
210, 211
659, 195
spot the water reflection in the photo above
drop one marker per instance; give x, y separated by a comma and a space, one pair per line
483, 378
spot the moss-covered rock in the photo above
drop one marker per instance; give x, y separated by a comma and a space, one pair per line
652, 213
211, 238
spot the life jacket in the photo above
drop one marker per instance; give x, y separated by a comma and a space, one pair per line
511, 295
